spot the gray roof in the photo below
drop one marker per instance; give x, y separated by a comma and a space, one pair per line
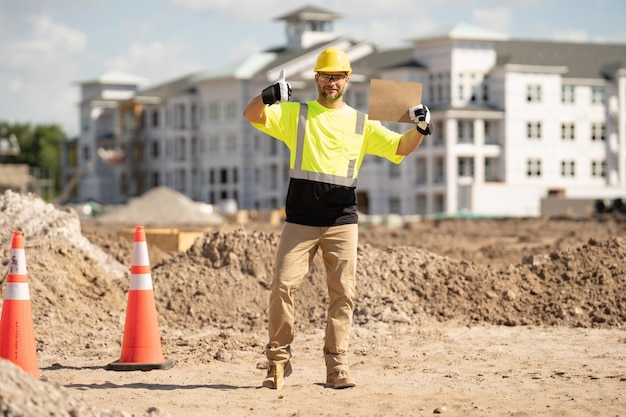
462, 31
385, 59
174, 87
116, 77
583, 60
310, 13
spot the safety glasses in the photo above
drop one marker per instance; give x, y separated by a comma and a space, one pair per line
332, 77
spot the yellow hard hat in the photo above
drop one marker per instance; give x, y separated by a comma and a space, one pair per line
332, 60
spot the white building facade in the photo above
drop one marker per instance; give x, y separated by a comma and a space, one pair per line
514, 121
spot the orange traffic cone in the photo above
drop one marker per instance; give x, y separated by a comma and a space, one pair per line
17, 334
141, 345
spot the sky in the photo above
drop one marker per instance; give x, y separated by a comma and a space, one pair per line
47, 47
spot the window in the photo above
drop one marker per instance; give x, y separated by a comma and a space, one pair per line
567, 131
598, 169
273, 149
179, 116
213, 111
231, 110
195, 148
568, 168
439, 202
273, 177
567, 94
439, 171
533, 167
597, 95
491, 169
194, 116
466, 167
183, 116
533, 93
598, 132
475, 87
394, 170
181, 180
438, 134
214, 143
155, 118
421, 204
155, 150
485, 90
156, 179
257, 176
533, 130
490, 132
420, 168
231, 143
85, 122
395, 205
465, 131
180, 149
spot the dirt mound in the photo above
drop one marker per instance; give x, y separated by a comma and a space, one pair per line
67, 274
22, 395
223, 281
162, 207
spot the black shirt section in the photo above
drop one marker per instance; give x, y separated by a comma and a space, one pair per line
313, 203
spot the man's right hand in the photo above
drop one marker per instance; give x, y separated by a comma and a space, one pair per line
281, 91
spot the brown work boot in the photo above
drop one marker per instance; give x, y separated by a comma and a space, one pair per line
276, 374
339, 379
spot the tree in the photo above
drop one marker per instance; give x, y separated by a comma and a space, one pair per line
40, 148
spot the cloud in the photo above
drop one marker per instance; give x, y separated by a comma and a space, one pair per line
158, 61
498, 19
37, 62
241, 10
47, 44
201, 6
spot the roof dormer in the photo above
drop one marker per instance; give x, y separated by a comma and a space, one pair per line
308, 26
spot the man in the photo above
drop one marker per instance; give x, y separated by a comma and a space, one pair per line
327, 140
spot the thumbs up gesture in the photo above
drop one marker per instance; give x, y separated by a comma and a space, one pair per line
278, 92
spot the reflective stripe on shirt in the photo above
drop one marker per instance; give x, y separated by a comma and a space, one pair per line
299, 173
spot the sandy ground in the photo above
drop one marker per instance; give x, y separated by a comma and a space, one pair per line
410, 371
486, 317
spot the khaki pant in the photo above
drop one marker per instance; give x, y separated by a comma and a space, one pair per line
296, 250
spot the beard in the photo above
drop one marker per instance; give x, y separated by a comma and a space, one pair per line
331, 96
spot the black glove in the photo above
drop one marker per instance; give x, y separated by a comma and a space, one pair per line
420, 114
281, 91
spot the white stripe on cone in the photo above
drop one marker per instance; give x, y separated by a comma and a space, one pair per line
141, 282
140, 254
18, 262
17, 291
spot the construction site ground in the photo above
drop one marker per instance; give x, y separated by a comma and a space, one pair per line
460, 317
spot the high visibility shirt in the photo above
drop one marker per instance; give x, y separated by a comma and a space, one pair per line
327, 147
